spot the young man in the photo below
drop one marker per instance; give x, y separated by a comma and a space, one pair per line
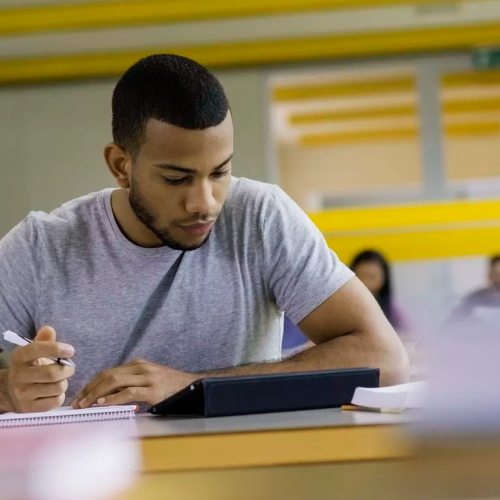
181, 272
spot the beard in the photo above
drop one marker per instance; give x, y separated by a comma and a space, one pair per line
148, 218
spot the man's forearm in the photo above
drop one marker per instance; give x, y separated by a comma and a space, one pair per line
141, 380
348, 351
5, 402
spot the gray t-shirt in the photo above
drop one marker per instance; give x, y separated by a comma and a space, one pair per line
113, 301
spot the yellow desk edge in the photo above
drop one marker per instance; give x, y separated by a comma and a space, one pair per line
274, 448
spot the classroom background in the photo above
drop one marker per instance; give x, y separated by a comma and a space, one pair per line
380, 118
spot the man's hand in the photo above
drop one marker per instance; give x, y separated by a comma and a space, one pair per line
35, 383
137, 381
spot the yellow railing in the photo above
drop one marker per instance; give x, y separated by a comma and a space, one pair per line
450, 108
429, 231
81, 66
106, 14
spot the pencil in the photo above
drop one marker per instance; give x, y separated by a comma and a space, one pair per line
373, 410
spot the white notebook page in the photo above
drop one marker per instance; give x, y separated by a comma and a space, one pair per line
67, 414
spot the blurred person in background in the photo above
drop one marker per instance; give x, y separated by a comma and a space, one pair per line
483, 303
374, 271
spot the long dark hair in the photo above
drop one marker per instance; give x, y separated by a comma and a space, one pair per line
384, 297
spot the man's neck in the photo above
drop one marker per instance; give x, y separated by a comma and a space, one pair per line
131, 227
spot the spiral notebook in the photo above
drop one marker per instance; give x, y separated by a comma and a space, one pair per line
67, 415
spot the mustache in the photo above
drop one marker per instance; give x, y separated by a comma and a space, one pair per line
199, 219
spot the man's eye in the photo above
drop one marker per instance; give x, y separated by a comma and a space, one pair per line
219, 175
175, 182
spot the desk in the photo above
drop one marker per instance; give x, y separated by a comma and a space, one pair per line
285, 455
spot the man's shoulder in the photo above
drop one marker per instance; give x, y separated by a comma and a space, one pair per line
63, 223
78, 208
249, 191
248, 199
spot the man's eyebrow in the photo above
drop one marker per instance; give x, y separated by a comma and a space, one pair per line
184, 170
224, 163
166, 166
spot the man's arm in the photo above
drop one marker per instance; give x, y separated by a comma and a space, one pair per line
5, 402
349, 331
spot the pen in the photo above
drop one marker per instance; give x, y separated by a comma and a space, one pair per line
17, 340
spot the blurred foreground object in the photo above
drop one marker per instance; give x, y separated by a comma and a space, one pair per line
484, 304
458, 434
88, 462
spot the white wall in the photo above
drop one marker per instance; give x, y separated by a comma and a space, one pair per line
51, 144
247, 92
51, 140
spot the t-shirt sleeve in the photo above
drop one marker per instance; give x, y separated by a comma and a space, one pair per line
19, 280
301, 271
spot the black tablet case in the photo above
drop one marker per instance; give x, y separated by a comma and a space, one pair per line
217, 397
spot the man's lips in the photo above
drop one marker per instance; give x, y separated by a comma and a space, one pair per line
198, 229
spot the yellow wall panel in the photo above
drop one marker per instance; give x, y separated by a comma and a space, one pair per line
421, 245
430, 231
407, 216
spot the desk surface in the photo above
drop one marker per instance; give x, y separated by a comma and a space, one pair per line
320, 436
150, 426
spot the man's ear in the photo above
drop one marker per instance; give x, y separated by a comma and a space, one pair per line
119, 163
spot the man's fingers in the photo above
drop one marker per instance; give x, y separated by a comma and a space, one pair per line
37, 391
44, 361
32, 352
37, 384
129, 395
111, 385
134, 362
44, 374
46, 334
113, 373
46, 404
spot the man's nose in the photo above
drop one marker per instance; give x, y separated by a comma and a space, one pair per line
200, 198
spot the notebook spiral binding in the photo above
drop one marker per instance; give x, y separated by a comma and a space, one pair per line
65, 419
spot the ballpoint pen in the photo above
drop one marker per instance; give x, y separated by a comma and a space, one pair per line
17, 340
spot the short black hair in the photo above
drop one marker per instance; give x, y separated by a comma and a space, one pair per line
494, 260
169, 88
